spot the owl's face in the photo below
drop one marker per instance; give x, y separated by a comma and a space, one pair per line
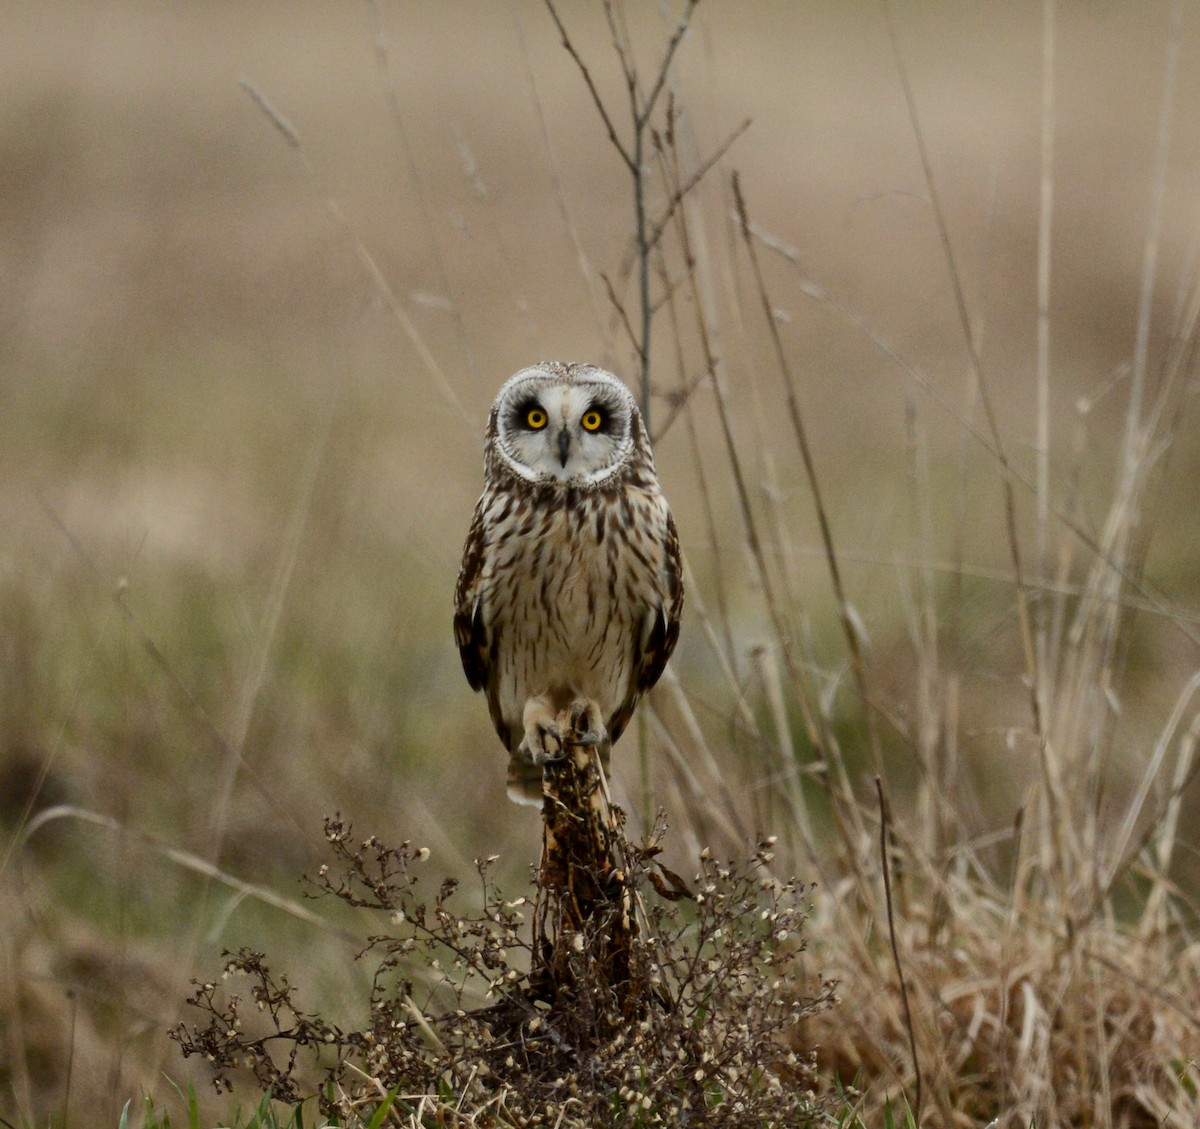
568, 423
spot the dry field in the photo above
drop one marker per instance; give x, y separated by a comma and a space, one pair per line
263, 267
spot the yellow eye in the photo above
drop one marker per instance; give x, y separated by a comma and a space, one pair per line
536, 418
592, 420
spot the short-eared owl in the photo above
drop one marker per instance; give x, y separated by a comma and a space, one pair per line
571, 587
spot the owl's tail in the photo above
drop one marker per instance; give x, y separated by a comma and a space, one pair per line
524, 782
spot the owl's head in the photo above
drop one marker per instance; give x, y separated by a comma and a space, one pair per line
573, 424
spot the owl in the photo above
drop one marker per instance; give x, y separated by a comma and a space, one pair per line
571, 587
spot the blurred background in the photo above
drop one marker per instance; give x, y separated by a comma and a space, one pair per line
236, 472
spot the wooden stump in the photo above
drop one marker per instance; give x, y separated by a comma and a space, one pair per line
584, 918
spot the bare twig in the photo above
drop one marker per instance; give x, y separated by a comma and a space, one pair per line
392, 95
633, 153
1045, 214
1010, 510
185, 860
560, 194
834, 776
681, 192
887, 890
597, 101
1151, 599
857, 662
372, 269
1133, 418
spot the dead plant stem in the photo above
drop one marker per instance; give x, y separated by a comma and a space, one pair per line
891, 920
857, 662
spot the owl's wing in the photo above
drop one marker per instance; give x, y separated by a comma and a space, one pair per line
652, 652
469, 631
664, 632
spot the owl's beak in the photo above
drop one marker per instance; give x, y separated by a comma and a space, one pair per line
564, 446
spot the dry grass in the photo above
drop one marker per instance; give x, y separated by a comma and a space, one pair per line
923, 414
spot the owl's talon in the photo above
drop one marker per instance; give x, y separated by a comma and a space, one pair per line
587, 723
543, 742
546, 748
550, 749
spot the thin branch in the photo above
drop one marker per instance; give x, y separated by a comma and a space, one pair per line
1154, 601
186, 860
823, 742
601, 109
621, 314
634, 155
392, 95
1045, 215
1010, 510
680, 31
857, 661
587, 274
677, 197
887, 891
366, 259
1141, 349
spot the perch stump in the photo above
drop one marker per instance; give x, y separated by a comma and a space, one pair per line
585, 921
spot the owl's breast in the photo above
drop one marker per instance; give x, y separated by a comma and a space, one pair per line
563, 608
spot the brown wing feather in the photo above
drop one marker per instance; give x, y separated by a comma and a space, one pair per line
652, 653
469, 631
665, 632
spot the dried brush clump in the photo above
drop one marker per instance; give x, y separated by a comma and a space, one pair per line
702, 1034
